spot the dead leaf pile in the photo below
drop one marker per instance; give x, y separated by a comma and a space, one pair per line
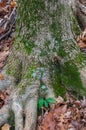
8, 14
4, 97
66, 115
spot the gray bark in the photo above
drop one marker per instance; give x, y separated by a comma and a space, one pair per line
81, 12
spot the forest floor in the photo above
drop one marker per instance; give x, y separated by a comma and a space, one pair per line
17, 103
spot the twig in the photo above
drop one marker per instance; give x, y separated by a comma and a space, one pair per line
6, 34
9, 19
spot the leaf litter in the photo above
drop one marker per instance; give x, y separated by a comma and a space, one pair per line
8, 15
66, 115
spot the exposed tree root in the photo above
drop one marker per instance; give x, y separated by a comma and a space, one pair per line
18, 111
4, 113
30, 108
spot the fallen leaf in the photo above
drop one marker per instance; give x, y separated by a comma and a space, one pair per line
6, 49
1, 30
82, 44
84, 128
59, 100
2, 4
1, 77
62, 117
67, 115
5, 127
2, 96
13, 4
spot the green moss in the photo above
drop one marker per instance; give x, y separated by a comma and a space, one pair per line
22, 88
56, 81
46, 49
79, 59
11, 119
58, 89
8, 71
29, 45
75, 26
14, 68
11, 65
30, 70
66, 77
56, 30
28, 22
43, 53
29, 15
47, 43
18, 73
71, 76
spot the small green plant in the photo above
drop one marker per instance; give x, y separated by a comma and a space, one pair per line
42, 102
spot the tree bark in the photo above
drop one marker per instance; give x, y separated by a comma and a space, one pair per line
81, 13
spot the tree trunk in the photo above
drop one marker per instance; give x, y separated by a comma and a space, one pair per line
55, 34
81, 13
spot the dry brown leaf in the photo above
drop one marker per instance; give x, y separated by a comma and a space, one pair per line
2, 95
3, 55
84, 128
81, 40
82, 44
59, 100
6, 49
1, 77
1, 30
2, 4
13, 4
82, 36
69, 115
62, 117
5, 127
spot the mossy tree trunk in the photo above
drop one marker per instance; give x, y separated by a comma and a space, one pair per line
48, 28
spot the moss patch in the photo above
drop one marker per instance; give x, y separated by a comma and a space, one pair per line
11, 120
14, 68
59, 90
75, 25
47, 43
69, 75
29, 45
